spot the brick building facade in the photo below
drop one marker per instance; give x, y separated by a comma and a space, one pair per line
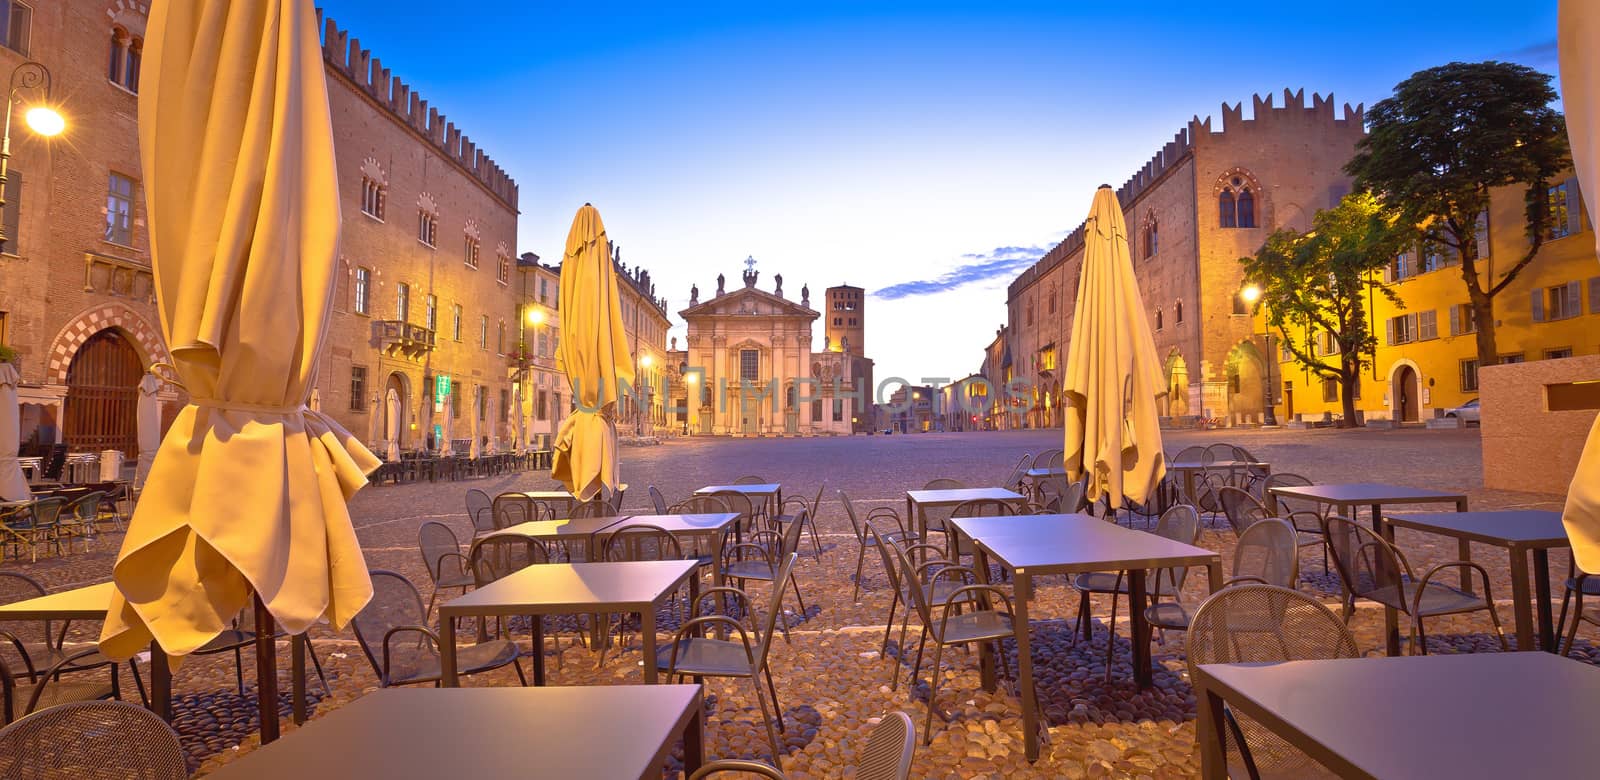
1206, 199
427, 247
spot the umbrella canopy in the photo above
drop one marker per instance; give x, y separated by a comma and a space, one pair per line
147, 420
247, 495
375, 430
1579, 44
1113, 377
595, 354
391, 441
13, 486
448, 426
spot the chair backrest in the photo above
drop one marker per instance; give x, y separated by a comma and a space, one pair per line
1180, 523
642, 543
480, 510
395, 603
588, 509
436, 541
658, 501
1193, 455
750, 479
699, 505
855, 521
1241, 508
1290, 479
792, 531
1269, 550
890, 566
92, 739
1220, 451
493, 557
740, 767
86, 508
770, 621
1265, 623
943, 484
47, 511
1047, 459
614, 498
1367, 564
737, 502
912, 587
816, 503
984, 507
512, 509
890, 746
1014, 479
16, 587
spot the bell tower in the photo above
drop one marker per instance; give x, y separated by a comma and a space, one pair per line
845, 319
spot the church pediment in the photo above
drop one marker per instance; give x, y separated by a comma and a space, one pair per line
748, 302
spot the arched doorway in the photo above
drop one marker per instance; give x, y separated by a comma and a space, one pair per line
102, 394
1407, 395
1177, 385
1246, 401
396, 386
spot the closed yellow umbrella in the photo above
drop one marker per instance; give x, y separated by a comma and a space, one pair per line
1579, 43
594, 352
247, 496
1113, 377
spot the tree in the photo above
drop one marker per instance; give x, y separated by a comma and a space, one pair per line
1446, 138
1319, 282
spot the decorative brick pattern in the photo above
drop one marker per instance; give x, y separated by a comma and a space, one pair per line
146, 338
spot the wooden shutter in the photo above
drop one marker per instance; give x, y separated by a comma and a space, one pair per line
1538, 305
1594, 295
1574, 208
1455, 319
1411, 327
13, 212
1388, 328
1574, 299
1481, 233
1427, 325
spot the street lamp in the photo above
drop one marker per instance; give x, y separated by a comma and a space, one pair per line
1251, 293
41, 119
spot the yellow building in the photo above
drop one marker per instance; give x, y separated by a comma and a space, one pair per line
1426, 361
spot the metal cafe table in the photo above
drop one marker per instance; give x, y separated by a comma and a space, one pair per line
917, 501
563, 532
1520, 532
1191, 468
709, 527
1035, 545
564, 497
1479, 715
768, 495
632, 587
610, 731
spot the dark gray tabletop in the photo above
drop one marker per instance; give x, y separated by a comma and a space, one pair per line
1481, 715
1517, 527
1063, 543
623, 586
557, 529
764, 489
709, 522
433, 733
1366, 493
960, 495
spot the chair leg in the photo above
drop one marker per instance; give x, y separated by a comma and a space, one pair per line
775, 706
1561, 621
795, 585
428, 613
772, 734
861, 559
317, 665
1083, 616
888, 626
516, 664
916, 668
138, 682
1111, 635
1577, 617
933, 693
238, 670
816, 542
1419, 637
1494, 617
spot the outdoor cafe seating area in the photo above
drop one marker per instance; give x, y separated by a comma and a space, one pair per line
972, 577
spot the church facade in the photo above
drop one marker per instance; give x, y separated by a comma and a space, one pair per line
748, 368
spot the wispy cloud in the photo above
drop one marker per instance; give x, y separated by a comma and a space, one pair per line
1002, 261
1542, 53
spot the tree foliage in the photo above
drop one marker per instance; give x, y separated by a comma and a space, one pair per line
1449, 135
1321, 282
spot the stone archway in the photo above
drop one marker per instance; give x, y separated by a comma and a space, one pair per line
398, 385
1246, 393
143, 337
1177, 371
102, 395
1405, 394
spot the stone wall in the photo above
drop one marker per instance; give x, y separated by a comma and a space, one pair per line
1526, 446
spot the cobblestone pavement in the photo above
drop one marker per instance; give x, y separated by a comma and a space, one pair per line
832, 679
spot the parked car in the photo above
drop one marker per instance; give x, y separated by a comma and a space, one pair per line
1467, 412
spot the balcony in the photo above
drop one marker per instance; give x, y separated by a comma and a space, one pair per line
119, 276
402, 338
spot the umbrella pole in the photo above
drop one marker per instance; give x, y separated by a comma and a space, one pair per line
266, 671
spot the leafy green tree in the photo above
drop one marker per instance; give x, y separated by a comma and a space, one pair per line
1448, 136
1320, 282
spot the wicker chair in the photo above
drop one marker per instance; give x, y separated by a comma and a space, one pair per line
889, 749
36, 524
480, 512
863, 540
1265, 554
442, 557
760, 559
395, 611
1305, 515
1374, 569
1263, 623
983, 623
658, 501
699, 656
78, 519
92, 740
1180, 523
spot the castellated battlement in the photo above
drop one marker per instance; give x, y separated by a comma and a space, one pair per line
344, 54
1293, 115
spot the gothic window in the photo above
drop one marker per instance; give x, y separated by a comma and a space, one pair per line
1236, 201
1247, 209
127, 53
372, 197
1226, 209
1151, 235
505, 269
1158, 320
427, 227
1178, 312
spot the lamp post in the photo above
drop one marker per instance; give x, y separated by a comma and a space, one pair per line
644, 360
41, 119
1252, 294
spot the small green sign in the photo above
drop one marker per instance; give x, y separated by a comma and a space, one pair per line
441, 385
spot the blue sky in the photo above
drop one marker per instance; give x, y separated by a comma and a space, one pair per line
926, 152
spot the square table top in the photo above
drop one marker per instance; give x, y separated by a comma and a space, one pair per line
1058, 544
615, 586
707, 522
762, 489
961, 495
1057, 471
1483, 715
1195, 465
589, 731
89, 602
1507, 528
1366, 493
557, 529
